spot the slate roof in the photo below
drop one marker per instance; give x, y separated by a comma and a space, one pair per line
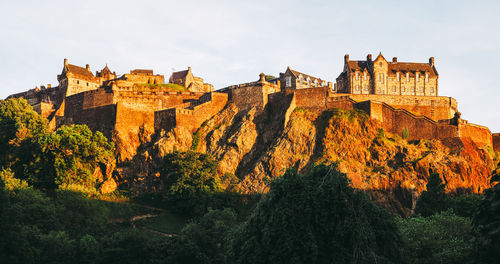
77, 70
296, 74
179, 74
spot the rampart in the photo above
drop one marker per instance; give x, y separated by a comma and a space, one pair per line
434, 107
253, 94
193, 116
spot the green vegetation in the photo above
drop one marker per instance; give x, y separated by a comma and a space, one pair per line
196, 140
50, 211
170, 86
440, 238
405, 134
270, 77
316, 218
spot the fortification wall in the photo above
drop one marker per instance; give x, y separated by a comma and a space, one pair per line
310, 97
194, 116
44, 109
496, 141
156, 100
479, 134
434, 107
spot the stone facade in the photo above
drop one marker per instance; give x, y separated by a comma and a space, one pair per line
291, 80
388, 78
188, 80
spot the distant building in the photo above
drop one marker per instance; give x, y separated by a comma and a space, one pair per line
192, 83
390, 78
292, 79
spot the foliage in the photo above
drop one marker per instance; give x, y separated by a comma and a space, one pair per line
488, 222
405, 134
440, 238
434, 199
190, 179
270, 77
11, 182
69, 157
19, 125
196, 140
203, 241
316, 218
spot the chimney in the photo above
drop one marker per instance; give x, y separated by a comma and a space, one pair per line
431, 61
369, 57
87, 67
189, 68
395, 59
65, 62
49, 85
346, 57
262, 77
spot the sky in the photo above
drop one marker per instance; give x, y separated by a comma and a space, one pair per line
232, 42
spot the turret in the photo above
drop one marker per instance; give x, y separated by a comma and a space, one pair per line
395, 59
87, 67
369, 57
346, 57
65, 62
431, 61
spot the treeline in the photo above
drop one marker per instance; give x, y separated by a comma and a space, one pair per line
49, 211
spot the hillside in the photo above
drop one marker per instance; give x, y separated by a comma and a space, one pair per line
259, 146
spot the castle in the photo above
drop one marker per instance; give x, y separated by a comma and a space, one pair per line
401, 95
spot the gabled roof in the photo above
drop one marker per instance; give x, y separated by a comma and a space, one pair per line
411, 67
296, 74
179, 74
77, 70
357, 65
380, 56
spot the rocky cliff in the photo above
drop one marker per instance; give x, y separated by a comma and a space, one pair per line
258, 146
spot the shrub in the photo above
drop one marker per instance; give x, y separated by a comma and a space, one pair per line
405, 133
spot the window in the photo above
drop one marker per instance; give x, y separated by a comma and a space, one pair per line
357, 76
407, 77
87, 84
416, 76
77, 82
432, 91
421, 89
394, 89
288, 81
357, 87
383, 78
403, 89
398, 77
380, 64
426, 77
365, 76
366, 87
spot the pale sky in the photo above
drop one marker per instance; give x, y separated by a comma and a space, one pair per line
230, 42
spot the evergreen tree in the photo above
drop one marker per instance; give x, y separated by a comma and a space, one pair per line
434, 199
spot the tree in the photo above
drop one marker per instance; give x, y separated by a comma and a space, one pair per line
69, 158
434, 199
316, 218
441, 238
487, 221
19, 125
204, 241
190, 179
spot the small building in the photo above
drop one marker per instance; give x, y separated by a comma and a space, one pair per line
292, 79
75, 79
142, 76
380, 76
192, 83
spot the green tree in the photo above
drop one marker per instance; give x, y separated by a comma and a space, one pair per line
316, 218
69, 157
487, 221
441, 238
190, 179
434, 199
204, 241
20, 125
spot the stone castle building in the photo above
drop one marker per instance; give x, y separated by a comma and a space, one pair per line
380, 76
401, 95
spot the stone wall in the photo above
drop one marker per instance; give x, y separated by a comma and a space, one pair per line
434, 107
479, 134
496, 141
310, 97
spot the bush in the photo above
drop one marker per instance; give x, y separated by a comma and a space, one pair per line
434, 199
405, 133
440, 238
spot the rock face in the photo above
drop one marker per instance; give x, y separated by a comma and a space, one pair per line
258, 146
